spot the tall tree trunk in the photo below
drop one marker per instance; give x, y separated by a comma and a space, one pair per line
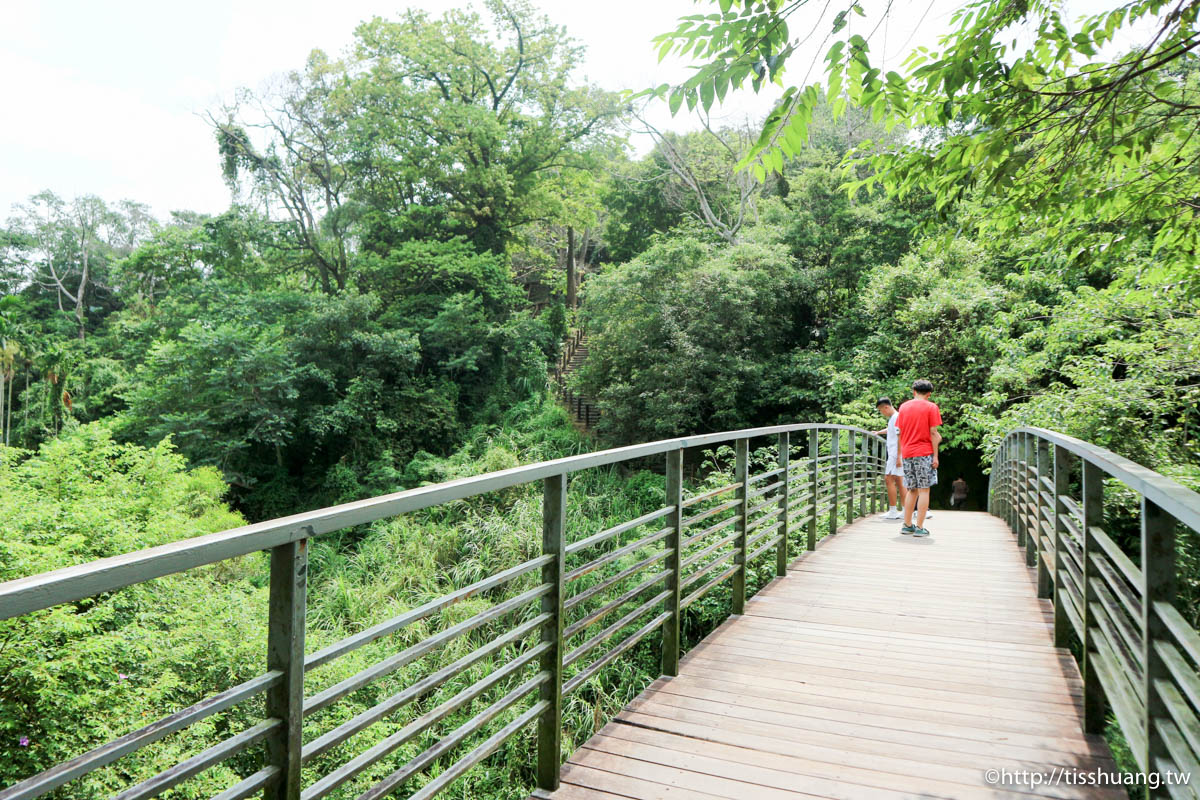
79, 296
8, 428
3, 429
570, 267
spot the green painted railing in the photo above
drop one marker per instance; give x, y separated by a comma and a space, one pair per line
824, 475
1140, 655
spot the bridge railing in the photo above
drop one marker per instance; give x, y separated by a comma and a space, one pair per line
577, 606
1139, 652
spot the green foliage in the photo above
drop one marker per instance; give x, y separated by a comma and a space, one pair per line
84, 673
679, 338
637, 208
693, 335
428, 127
1095, 150
341, 390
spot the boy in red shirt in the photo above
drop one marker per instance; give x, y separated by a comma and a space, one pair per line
918, 420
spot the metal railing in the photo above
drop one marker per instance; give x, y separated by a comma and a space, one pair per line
1139, 653
693, 545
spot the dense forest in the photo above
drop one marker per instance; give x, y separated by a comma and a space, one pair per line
418, 222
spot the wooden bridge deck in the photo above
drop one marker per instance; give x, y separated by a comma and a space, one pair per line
880, 667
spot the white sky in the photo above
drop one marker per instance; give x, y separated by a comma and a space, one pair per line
106, 96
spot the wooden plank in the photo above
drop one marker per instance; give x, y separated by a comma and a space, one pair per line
617, 782
830, 726
1020, 697
896, 714
916, 751
857, 655
705, 775
805, 632
915, 776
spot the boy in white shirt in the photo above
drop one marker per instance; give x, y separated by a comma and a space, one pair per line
892, 475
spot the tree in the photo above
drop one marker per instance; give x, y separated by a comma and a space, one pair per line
10, 352
637, 209
472, 118
1099, 151
303, 168
83, 221
701, 178
693, 336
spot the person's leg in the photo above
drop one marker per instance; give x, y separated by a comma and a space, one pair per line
922, 506
893, 489
910, 504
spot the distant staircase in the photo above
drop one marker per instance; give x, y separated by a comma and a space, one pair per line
583, 409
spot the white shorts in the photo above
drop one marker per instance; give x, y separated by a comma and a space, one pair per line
892, 469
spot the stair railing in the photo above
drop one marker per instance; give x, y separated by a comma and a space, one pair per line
582, 410
1140, 654
554, 604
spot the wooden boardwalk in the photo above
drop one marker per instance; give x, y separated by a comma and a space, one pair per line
881, 667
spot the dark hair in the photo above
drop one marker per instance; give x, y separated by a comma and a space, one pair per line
884, 401
922, 386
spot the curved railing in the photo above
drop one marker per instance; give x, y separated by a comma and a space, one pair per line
1139, 653
575, 585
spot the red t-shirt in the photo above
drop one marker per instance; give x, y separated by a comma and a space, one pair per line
916, 417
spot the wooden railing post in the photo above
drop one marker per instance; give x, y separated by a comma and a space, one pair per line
865, 478
1158, 575
999, 466
1019, 486
1031, 499
741, 474
1093, 516
853, 476
814, 451
1043, 511
1009, 500
836, 461
1014, 490
874, 481
671, 628
1062, 485
781, 552
285, 652
549, 729
1017, 466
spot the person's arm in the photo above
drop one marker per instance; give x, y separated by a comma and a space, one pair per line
879, 433
936, 438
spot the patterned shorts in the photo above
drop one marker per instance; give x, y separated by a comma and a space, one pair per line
919, 472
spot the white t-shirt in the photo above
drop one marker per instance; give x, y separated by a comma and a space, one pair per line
893, 444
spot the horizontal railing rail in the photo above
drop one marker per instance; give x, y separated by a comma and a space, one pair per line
574, 609
1139, 654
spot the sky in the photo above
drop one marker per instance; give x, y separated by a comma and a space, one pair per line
108, 97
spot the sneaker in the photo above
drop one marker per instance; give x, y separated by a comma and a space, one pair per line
908, 530
893, 513
919, 532
928, 515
